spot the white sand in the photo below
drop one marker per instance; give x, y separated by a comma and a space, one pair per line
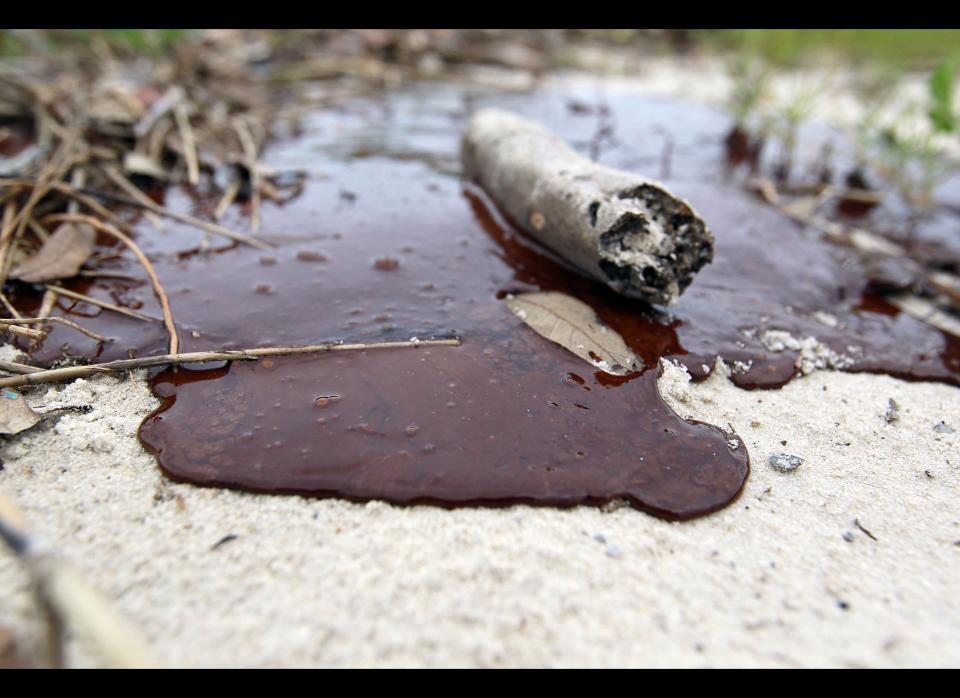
330, 583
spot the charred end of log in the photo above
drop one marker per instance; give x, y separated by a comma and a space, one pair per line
654, 251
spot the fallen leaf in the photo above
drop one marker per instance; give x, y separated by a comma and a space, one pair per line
113, 109
137, 164
61, 256
15, 413
573, 325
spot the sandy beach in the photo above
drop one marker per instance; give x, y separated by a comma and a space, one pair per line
783, 577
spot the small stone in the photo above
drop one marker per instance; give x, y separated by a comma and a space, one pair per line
613, 551
892, 412
311, 256
386, 264
943, 428
848, 536
600, 538
784, 462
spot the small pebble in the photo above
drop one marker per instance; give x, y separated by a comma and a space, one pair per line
892, 413
600, 538
386, 264
784, 462
613, 551
311, 256
848, 536
943, 428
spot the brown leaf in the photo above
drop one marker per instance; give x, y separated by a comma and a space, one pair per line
61, 256
573, 325
15, 413
138, 164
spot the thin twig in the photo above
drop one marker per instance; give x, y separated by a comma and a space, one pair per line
142, 258
105, 274
59, 374
58, 320
106, 305
8, 305
23, 331
14, 367
189, 143
70, 599
250, 155
83, 195
48, 303
927, 312
947, 284
179, 217
7, 228
229, 196
121, 180
94, 206
77, 180
37, 229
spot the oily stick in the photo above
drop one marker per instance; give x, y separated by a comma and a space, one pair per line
14, 367
206, 226
59, 374
106, 305
59, 320
23, 331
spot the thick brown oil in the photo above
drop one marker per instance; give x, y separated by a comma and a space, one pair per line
386, 244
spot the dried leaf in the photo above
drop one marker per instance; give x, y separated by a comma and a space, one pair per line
113, 109
15, 413
802, 207
573, 325
61, 256
138, 164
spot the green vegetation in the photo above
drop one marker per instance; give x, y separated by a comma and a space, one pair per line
153, 42
943, 116
750, 77
917, 163
905, 48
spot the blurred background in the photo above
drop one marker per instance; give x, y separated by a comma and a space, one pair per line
890, 92
899, 48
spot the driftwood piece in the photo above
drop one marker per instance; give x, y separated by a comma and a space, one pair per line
617, 227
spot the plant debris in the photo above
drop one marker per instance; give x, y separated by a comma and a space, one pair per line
60, 257
15, 414
856, 522
573, 325
59, 374
223, 541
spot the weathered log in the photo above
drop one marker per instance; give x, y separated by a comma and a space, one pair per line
617, 227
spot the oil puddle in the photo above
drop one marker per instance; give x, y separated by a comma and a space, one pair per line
387, 244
